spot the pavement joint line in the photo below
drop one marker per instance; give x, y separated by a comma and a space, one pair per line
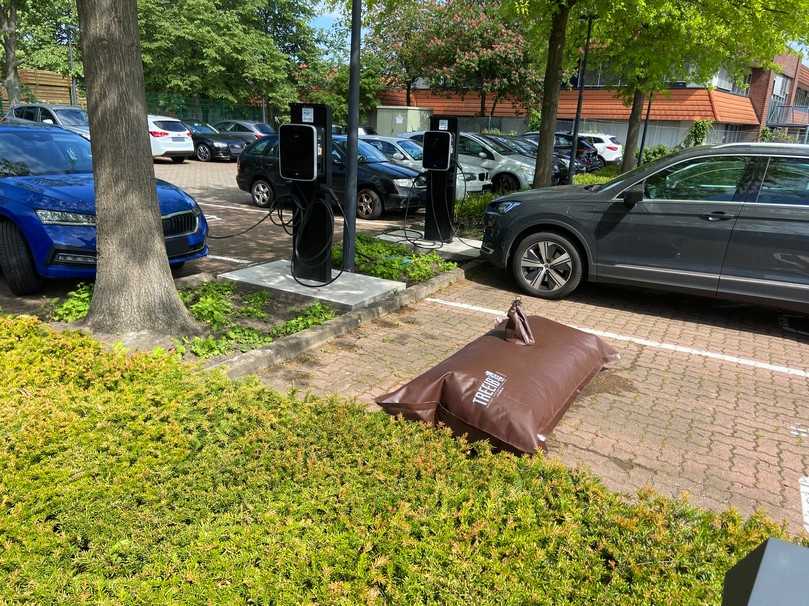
797, 372
231, 259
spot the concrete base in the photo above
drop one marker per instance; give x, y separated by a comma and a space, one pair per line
349, 292
457, 249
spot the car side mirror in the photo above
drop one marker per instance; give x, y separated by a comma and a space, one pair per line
633, 196
47, 121
398, 156
483, 155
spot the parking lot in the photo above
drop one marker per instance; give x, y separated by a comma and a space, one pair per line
709, 397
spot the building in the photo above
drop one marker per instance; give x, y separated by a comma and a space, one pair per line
778, 100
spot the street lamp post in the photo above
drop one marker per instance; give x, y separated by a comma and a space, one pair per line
582, 70
645, 128
350, 201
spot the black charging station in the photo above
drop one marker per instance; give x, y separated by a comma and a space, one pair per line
305, 158
440, 160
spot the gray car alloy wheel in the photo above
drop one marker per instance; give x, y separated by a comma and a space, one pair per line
547, 266
262, 194
203, 152
369, 204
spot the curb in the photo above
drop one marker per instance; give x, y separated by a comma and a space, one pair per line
289, 347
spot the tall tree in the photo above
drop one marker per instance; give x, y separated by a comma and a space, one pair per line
473, 46
9, 16
400, 35
134, 290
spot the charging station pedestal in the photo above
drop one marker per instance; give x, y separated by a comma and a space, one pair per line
313, 221
438, 224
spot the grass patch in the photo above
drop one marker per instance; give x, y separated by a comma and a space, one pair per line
237, 320
136, 480
392, 261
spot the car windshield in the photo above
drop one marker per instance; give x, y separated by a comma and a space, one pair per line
173, 126
201, 128
499, 147
368, 154
264, 128
413, 149
72, 117
33, 153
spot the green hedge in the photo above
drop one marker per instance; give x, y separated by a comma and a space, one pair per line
138, 480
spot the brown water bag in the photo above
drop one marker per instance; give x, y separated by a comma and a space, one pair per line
501, 388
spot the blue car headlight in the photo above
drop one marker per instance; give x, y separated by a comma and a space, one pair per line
57, 217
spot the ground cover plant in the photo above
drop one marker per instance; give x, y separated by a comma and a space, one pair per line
238, 319
135, 479
392, 261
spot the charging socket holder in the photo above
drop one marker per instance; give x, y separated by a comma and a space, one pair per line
442, 139
309, 136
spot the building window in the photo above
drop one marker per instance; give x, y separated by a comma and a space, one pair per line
724, 80
802, 97
780, 89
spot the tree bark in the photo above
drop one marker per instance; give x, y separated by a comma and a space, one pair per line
482, 101
551, 89
408, 88
134, 289
11, 76
632, 132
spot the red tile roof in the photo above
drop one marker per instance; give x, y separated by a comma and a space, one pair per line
686, 104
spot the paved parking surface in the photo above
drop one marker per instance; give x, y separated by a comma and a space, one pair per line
709, 397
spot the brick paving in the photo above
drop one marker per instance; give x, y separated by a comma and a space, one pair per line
729, 435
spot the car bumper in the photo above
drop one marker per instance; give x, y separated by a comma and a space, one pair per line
70, 251
493, 248
225, 153
406, 199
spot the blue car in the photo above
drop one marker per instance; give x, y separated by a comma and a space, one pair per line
47, 209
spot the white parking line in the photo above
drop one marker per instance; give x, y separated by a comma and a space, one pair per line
229, 259
797, 372
241, 208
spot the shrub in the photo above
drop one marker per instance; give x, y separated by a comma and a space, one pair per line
75, 306
655, 153
591, 178
391, 261
698, 132
136, 480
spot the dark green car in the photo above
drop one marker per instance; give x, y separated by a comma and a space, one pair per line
727, 220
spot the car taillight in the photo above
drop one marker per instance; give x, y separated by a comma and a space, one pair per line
612, 147
188, 133
258, 136
158, 133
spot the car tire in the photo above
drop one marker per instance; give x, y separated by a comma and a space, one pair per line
547, 265
600, 163
178, 159
16, 262
262, 193
506, 183
369, 204
203, 153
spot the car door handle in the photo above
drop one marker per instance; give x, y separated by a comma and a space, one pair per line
718, 216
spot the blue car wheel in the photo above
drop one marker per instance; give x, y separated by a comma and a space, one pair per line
16, 262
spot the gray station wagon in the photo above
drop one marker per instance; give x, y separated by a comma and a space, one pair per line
728, 220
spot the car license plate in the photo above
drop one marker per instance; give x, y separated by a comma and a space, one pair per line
178, 139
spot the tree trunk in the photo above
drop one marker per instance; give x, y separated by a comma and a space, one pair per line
11, 77
632, 132
482, 102
550, 95
408, 89
494, 105
134, 290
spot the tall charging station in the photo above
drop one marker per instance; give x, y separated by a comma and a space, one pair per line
305, 159
440, 160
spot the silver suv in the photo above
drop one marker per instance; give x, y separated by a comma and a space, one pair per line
69, 117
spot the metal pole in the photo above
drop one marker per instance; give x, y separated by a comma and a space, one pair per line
350, 203
571, 171
74, 97
645, 128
